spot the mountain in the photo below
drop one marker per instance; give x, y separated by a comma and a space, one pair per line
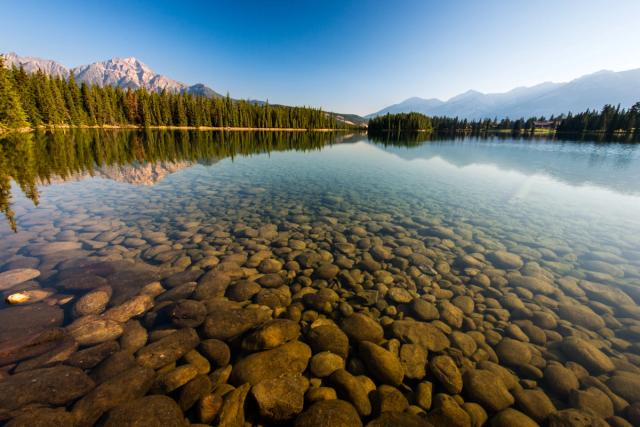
32, 64
592, 91
130, 73
120, 72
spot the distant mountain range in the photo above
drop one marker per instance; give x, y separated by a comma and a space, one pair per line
592, 91
130, 73
588, 92
120, 72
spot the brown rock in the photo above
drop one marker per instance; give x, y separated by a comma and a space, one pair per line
93, 302
43, 417
329, 413
47, 386
288, 359
280, 398
510, 417
232, 411
447, 373
272, 334
168, 349
147, 411
129, 385
487, 389
423, 334
383, 365
360, 327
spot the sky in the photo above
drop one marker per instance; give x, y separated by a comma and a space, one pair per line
345, 56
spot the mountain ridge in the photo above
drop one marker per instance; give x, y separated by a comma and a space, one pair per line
591, 91
126, 72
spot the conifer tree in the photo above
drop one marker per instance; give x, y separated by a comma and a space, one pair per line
11, 113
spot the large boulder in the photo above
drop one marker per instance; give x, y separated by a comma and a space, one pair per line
423, 334
19, 322
506, 260
43, 417
232, 411
56, 386
580, 315
626, 385
360, 327
587, 354
168, 349
352, 389
11, 278
383, 365
91, 329
447, 373
329, 338
535, 403
560, 380
125, 387
281, 398
288, 359
487, 389
329, 413
397, 419
147, 411
272, 334
224, 324
575, 418
513, 352
510, 418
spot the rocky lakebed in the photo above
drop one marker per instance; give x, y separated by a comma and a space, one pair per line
237, 303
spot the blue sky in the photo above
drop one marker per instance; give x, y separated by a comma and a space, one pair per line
347, 56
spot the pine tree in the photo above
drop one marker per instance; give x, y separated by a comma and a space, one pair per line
11, 113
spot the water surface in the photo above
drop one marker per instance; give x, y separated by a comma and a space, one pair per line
481, 213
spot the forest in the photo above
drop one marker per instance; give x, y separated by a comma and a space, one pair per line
34, 100
610, 120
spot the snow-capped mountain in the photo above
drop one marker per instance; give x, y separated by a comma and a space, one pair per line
592, 91
121, 72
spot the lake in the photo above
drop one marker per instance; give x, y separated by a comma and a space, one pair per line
249, 275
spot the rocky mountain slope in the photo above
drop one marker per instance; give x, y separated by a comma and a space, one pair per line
121, 72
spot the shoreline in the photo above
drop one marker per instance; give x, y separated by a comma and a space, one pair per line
198, 128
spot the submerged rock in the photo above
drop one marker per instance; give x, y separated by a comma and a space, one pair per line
587, 355
487, 389
383, 365
56, 386
168, 349
288, 359
149, 410
11, 278
423, 334
329, 413
224, 324
280, 398
125, 387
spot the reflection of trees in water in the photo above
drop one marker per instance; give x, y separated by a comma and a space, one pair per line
414, 138
32, 158
612, 164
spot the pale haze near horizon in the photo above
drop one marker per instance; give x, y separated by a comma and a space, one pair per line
352, 58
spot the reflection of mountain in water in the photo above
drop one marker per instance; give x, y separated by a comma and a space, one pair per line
135, 173
135, 157
576, 163
142, 173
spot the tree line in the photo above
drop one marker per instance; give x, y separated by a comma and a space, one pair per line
401, 122
610, 120
32, 100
